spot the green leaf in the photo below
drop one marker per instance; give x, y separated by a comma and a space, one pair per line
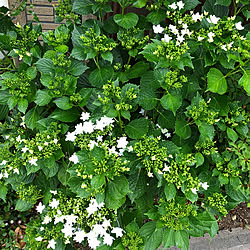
63, 103
245, 81
63, 175
98, 181
199, 159
171, 101
4, 110
223, 179
78, 53
140, 3
137, 128
182, 129
45, 65
4, 96
154, 240
206, 130
98, 153
168, 238
31, 72
216, 82
23, 105
3, 192
23, 205
82, 7
12, 102
126, 21
190, 4
147, 229
70, 115
32, 117
239, 195
116, 192
166, 119
43, 97
191, 196
85, 94
182, 239
155, 17
232, 135
77, 68
223, 2
170, 191
99, 77
108, 56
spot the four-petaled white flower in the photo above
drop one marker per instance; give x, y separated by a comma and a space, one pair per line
25, 149
53, 192
55, 141
166, 168
88, 127
173, 29
204, 185
33, 161
200, 38
46, 220
108, 239
73, 158
213, 19
106, 223
79, 129
194, 190
196, 16
3, 162
1, 176
180, 38
52, 244
173, 6
40, 148
80, 236
239, 26
39, 238
180, 5
67, 230
166, 38
70, 136
54, 203
117, 231
16, 171
122, 142
85, 116
150, 174
158, 29
40, 208
210, 37
93, 242
130, 149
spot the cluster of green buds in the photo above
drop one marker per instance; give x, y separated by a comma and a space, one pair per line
133, 40
153, 156
29, 194
173, 80
173, 214
99, 44
132, 241
61, 60
63, 9
244, 49
19, 86
178, 172
229, 169
51, 38
155, 6
170, 51
75, 98
207, 147
201, 112
218, 202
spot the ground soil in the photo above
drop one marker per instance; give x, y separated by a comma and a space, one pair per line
237, 217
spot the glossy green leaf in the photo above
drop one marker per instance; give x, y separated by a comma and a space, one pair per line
232, 135
170, 191
182, 129
63, 103
182, 239
171, 101
43, 97
216, 81
137, 128
126, 21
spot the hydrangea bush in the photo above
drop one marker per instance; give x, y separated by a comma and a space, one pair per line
126, 131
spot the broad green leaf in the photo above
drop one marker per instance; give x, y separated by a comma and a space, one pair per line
223, 179
69, 115
232, 135
98, 153
82, 7
43, 97
168, 238
99, 77
108, 56
223, 2
166, 119
4, 110
32, 117
126, 21
75, 186
12, 102
199, 159
3, 191
245, 81
77, 68
216, 82
147, 229
85, 94
139, 3
213, 9
78, 53
171, 101
154, 240
239, 195
63, 175
182, 129
182, 239
23, 105
31, 72
191, 196
190, 4
137, 128
206, 130
170, 191
63, 103
4, 96
45, 65
23, 205
155, 17
98, 181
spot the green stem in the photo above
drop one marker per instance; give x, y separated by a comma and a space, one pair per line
120, 120
232, 71
96, 62
123, 10
8, 59
129, 60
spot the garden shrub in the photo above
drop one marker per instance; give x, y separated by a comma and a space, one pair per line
126, 131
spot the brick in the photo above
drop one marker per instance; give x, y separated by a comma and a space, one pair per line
43, 2
49, 26
45, 11
42, 18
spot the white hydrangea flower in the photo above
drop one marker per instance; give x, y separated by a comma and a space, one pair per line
166, 38
71, 219
92, 144
117, 231
106, 223
68, 230
73, 158
16, 171
54, 203
52, 244
210, 37
99, 229
239, 26
33, 161
180, 5
173, 29
158, 29
3, 162
122, 142
88, 127
25, 149
40, 208
166, 168
85, 116
46, 220
200, 38
197, 16
150, 174
70, 136
180, 39
213, 19
79, 129
194, 190
173, 6
1, 176
39, 238
58, 219
80, 236
40, 148
204, 185
108, 239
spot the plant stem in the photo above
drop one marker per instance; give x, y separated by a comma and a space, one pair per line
8, 59
96, 62
120, 120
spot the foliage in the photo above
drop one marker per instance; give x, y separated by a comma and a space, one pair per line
129, 131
